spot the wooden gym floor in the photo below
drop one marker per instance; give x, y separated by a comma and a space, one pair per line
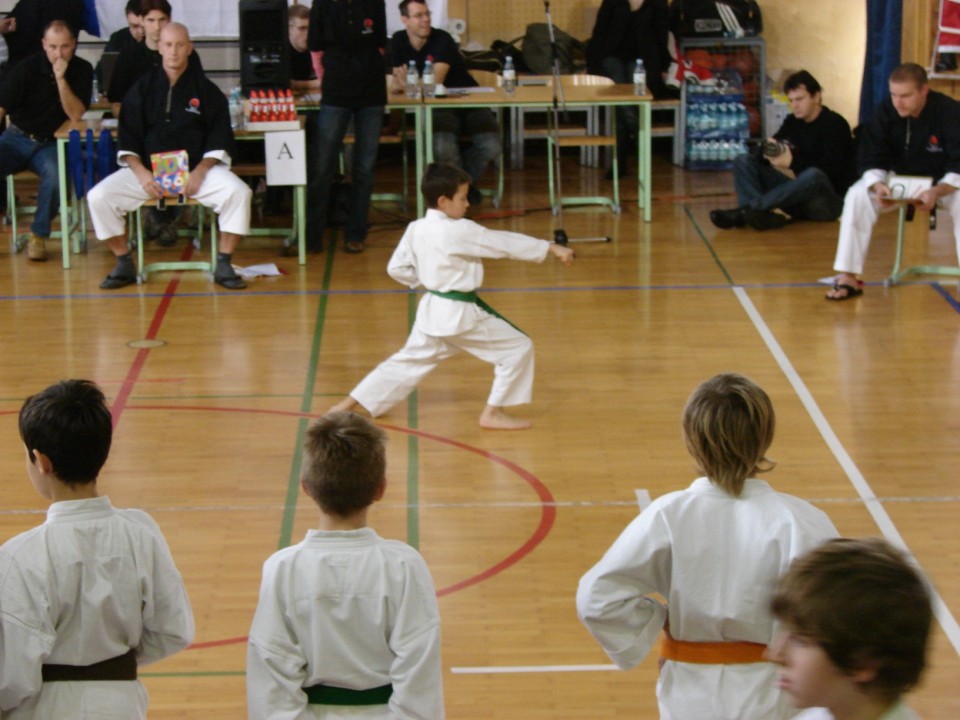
212, 389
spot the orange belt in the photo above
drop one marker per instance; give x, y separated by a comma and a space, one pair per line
710, 653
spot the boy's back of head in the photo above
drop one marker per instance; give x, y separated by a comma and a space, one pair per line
344, 463
70, 423
866, 605
440, 180
728, 427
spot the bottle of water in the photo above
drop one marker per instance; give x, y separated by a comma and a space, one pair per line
639, 78
509, 76
236, 109
429, 84
413, 80
95, 95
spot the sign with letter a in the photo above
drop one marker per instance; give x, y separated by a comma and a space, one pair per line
286, 153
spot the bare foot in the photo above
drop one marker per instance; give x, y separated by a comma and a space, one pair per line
348, 404
494, 418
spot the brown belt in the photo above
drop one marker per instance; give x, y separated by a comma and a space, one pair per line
122, 667
710, 653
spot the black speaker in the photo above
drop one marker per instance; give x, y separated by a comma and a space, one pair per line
264, 45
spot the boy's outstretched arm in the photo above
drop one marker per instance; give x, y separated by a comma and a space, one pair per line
563, 253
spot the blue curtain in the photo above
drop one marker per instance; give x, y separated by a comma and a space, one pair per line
884, 26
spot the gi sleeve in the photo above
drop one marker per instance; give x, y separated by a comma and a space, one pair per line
613, 597
168, 625
26, 637
132, 126
403, 265
276, 665
474, 240
219, 134
416, 674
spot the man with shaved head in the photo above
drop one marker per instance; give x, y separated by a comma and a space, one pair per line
173, 107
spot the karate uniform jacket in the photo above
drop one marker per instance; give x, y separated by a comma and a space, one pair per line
88, 585
444, 254
351, 610
714, 558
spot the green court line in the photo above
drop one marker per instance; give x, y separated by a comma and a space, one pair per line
716, 258
413, 449
293, 482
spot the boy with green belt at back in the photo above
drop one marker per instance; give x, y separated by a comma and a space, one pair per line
444, 253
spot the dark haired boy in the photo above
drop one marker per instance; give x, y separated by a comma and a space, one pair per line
804, 170
443, 252
856, 625
92, 593
345, 618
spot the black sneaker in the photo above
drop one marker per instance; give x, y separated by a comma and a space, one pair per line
726, 219
227, 277
766, 220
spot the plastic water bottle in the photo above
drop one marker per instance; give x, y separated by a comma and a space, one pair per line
429, 84
509, 76
236, 109
639, 78
95, 95
413, 80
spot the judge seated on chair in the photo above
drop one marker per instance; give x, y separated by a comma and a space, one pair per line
173, 107
40, 94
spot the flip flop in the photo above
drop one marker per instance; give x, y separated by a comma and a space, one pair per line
851, 290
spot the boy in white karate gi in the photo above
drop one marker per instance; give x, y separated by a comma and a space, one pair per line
856, 619
92, 593
443, 252
713, 551
347, 625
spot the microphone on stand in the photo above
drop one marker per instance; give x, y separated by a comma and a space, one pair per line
559, 234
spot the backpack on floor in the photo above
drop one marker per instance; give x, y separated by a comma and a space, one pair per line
715, 18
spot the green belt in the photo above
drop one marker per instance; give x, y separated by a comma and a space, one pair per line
329, 695
472, 297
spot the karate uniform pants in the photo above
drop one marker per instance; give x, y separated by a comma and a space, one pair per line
118, 194
860, 212
493, 340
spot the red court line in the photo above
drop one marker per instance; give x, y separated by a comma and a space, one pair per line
133, 375
548, 510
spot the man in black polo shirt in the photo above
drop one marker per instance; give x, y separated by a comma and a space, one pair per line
40, 94
420, 42
348, 40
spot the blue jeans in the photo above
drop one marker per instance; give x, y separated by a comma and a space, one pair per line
18, 152
326, 129
808, 196
480, 124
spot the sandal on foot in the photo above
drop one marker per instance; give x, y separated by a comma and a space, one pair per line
851, 291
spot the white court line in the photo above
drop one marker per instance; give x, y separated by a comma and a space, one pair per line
643, 499
495, 669
873, 504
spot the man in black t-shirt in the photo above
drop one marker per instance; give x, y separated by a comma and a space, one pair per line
124, 37
804, 169
302, 76
40, 94
421, 42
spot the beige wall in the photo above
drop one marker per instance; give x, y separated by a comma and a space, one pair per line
826, 37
